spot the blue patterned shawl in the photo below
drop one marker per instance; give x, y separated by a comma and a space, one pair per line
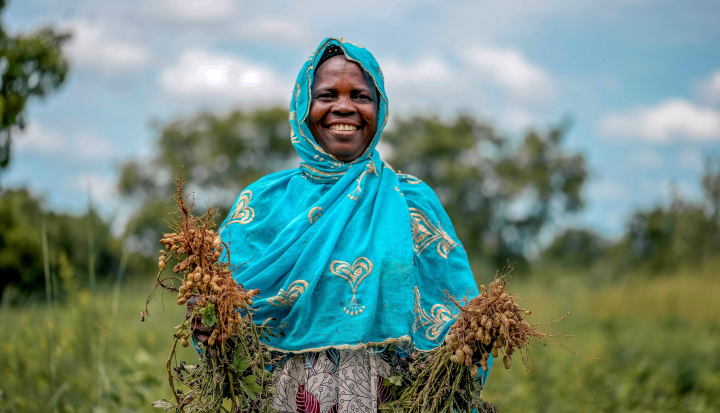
346, 255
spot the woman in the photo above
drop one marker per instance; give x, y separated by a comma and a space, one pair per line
352, 258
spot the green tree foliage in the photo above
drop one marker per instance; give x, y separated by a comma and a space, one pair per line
217, 151
31, 66
683, 233
499, 193
711, 187
665, 238
219, 155
575, 248
21, 254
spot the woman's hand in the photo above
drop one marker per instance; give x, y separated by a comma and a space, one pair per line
200, 331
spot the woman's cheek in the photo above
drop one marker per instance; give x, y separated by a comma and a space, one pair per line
316, 113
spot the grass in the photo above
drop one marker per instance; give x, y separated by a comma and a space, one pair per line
80, 357
657, 344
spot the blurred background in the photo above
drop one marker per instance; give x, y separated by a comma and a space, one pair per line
579, 140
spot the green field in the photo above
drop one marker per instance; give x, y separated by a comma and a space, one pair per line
656, 344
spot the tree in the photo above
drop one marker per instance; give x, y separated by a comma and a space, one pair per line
575, 248
681, 233
21, 253
31, 66
219, 155
499, 194
711, 186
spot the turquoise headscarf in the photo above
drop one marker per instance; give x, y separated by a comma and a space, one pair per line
346, 255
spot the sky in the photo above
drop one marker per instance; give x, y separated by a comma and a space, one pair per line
640, 80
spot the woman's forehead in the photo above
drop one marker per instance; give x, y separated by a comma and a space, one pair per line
338, 67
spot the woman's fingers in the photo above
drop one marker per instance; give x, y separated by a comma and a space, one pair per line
202, 338
190, 305
200, 331
199, 327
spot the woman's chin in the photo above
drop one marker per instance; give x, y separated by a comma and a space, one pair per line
345, 154
346, 158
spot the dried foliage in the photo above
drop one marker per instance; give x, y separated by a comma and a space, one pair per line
232, 364
494, 323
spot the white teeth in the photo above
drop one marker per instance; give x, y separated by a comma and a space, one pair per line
343, 127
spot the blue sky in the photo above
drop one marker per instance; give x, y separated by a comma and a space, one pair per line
640, 79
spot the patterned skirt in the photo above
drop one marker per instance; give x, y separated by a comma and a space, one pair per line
335, 381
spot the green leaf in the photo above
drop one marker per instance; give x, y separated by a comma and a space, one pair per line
255, 387
240, 364
251, 383
397, 380
251, 394
208, 315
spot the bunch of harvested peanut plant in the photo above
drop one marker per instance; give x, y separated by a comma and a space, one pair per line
232, 364
445, 378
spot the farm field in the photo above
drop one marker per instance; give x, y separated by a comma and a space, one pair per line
656, 344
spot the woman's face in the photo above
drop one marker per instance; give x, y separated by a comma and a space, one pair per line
343, 115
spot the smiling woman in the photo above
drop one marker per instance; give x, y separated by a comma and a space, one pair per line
343, 115
352, 258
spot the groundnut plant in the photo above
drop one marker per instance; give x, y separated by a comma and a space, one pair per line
232, 365
445, 379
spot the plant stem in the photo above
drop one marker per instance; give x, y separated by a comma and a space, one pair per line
171, 379
91, 243
232, 386
48, 298
232, 391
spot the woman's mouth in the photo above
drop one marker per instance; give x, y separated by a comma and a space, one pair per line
343, 127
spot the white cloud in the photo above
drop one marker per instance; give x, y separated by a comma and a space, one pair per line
232, 78
93, 46
690, 159
511, 71
39, 140
84, 146
520, 118
88, 146
606, 190
123, 54
420, 73
708, 89
501, 85
277, 30
198, 10
674, 119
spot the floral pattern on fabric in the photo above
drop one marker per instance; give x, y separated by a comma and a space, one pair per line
333, 381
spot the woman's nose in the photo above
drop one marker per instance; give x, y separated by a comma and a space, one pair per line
344, 105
